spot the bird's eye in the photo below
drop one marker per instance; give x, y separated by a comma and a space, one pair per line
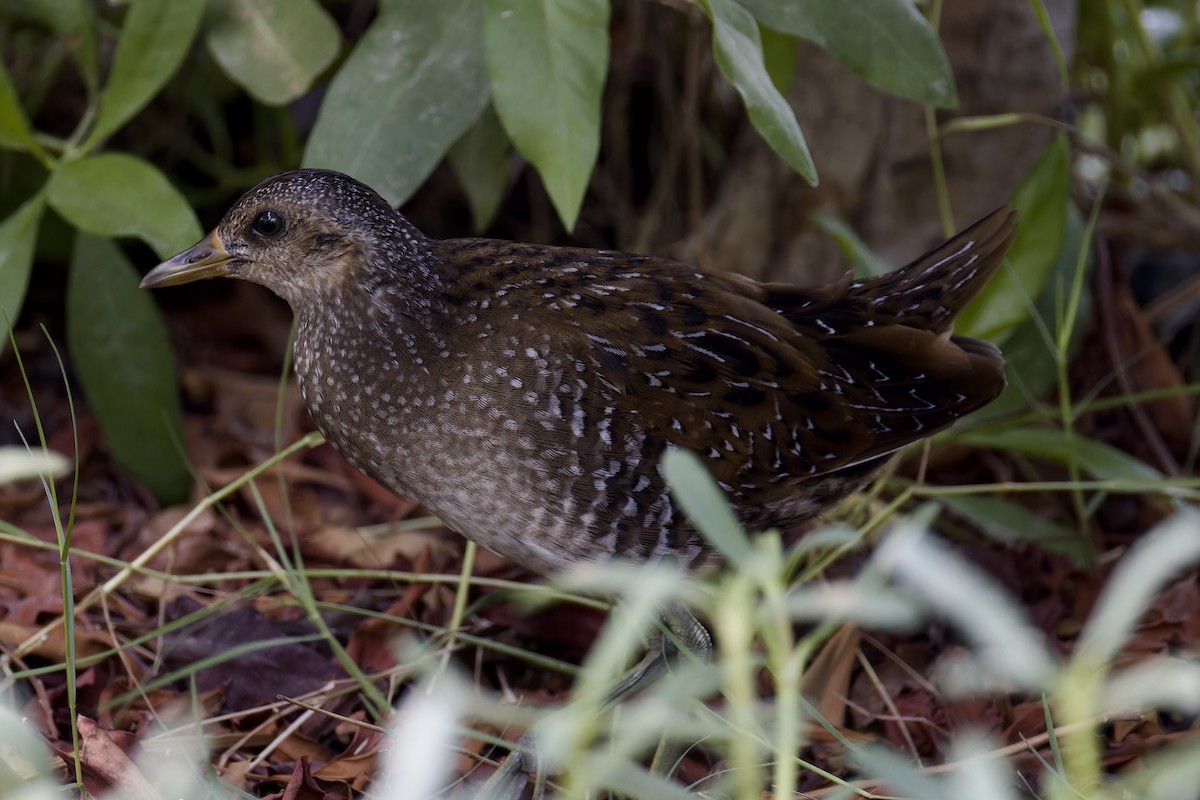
268, 224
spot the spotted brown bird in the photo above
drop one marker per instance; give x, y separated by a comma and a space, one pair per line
526, 393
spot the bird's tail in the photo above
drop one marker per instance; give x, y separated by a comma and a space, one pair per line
929, 292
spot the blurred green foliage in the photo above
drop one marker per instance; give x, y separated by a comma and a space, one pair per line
470, 80
1139, 63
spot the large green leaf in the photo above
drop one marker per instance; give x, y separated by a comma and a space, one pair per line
411, 87
887, 42
115, 194
1010, 522
862, 259
18, 236
780, 52
1154, 560
1030, 351
1101, 461
155, 37
547, 61
15, 133
739, 53
122, 353
480, 161
706, 506
274, 49
1041, 200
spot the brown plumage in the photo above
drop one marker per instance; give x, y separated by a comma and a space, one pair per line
526, 393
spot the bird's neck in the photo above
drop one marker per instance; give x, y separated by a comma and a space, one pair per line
391, 311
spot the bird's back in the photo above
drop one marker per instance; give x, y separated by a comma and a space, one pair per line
601, 360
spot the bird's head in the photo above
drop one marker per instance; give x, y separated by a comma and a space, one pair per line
302, 234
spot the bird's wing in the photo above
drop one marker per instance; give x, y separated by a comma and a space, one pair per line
750, 375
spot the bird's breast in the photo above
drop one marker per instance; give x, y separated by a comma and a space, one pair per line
500, 442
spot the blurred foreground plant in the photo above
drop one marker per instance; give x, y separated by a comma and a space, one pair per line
749, 706
757, 720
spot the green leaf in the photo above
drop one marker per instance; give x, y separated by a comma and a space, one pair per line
15, 133
1009, 522
887, 42
115, 194
1168, 550
274, 49
1166, 774
897, 771
480, 160
74, 22
1041, 200
154, 40
1029, 352
706, 506
122, 354
739, 53
18, 236
1101, 461
1160, 682
974, 603
780, 51
413, 84
864, 262
547, 61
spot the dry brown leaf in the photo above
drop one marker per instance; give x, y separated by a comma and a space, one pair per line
355, 769
235, 774
383, 549
372, 645
298, 746
246, 406
257, 675
827, 678
52, 646
107, 761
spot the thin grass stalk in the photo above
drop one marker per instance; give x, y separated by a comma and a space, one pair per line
1076, 697
936, 160
115, 582
1185, 487
62, 370
1052, 736
63, 539
1066, 324
104, 655
788, 667
461, 591
532, 658
1060, 59
297, 582
14, 535
825, 561
285, 497
226, 655
736, 644
990, 122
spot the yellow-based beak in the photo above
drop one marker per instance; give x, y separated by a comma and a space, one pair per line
207, 258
